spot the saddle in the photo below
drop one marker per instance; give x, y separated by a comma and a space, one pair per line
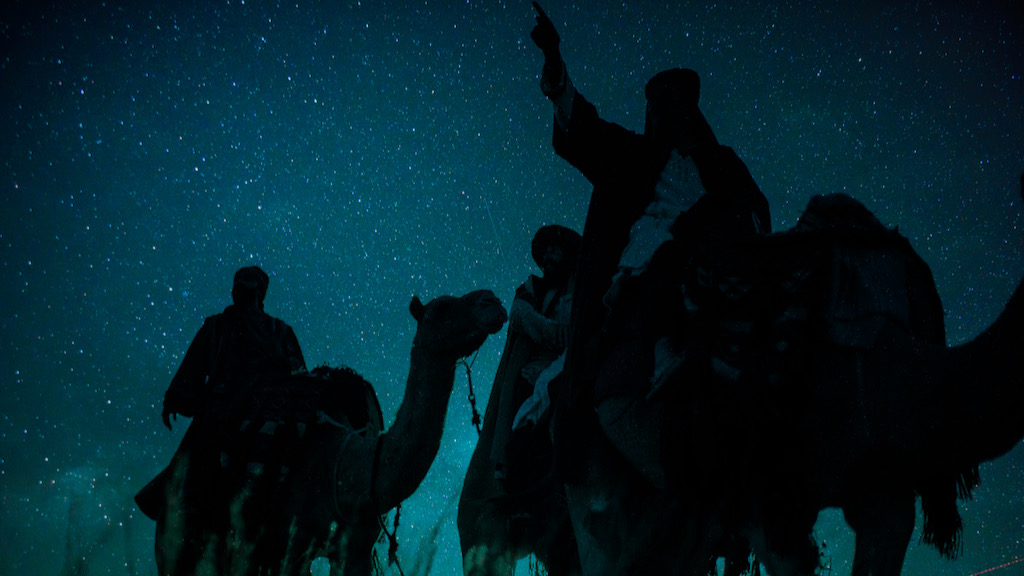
753, 305
267, 432
752, 312
262, 435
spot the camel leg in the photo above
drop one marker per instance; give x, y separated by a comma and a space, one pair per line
883, 525
735, 551
782, 537
554, 543
483, 528
483, 560
598, 502
624, 525
486, 542
177, 544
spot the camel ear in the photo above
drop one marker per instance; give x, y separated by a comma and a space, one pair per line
416, 308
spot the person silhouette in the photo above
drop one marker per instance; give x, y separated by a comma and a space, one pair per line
657, 196
497, 524
537, 335
226, 357
231, 347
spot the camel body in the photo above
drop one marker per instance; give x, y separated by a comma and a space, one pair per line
785, 407
306, 469
497, 527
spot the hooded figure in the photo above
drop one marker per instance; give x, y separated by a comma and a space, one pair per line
656, 197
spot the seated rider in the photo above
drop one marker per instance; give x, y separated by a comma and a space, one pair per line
534, 347
232, 346
231, 350
657, 196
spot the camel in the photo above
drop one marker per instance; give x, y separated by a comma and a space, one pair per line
777, 416
308, 472
498, 528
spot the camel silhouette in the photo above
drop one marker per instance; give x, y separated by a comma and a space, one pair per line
306, 468
817, 376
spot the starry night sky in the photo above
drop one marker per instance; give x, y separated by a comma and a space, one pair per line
364, 152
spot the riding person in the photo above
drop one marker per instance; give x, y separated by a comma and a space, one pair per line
230, 347
657, 196
228, 353
537, 334
497, 524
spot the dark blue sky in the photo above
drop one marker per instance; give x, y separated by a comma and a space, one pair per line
364, 152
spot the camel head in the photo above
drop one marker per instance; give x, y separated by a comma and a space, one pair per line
457, 327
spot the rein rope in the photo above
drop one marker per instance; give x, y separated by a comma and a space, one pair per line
392, 535
477, 420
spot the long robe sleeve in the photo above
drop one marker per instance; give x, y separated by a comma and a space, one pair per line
189, 386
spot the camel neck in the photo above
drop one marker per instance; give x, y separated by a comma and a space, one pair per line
409, 447
986, 372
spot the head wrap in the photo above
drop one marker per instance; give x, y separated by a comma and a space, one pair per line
251, 279
684, 84
567, 239
682, 81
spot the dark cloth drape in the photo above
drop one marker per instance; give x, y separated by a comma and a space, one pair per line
228, 354
624, 168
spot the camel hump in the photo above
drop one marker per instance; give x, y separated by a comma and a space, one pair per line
283, 419
839, 262
839, 276
341, 394
350, 393
837, 211
877, 277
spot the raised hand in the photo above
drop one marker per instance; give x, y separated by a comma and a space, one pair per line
545, 36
